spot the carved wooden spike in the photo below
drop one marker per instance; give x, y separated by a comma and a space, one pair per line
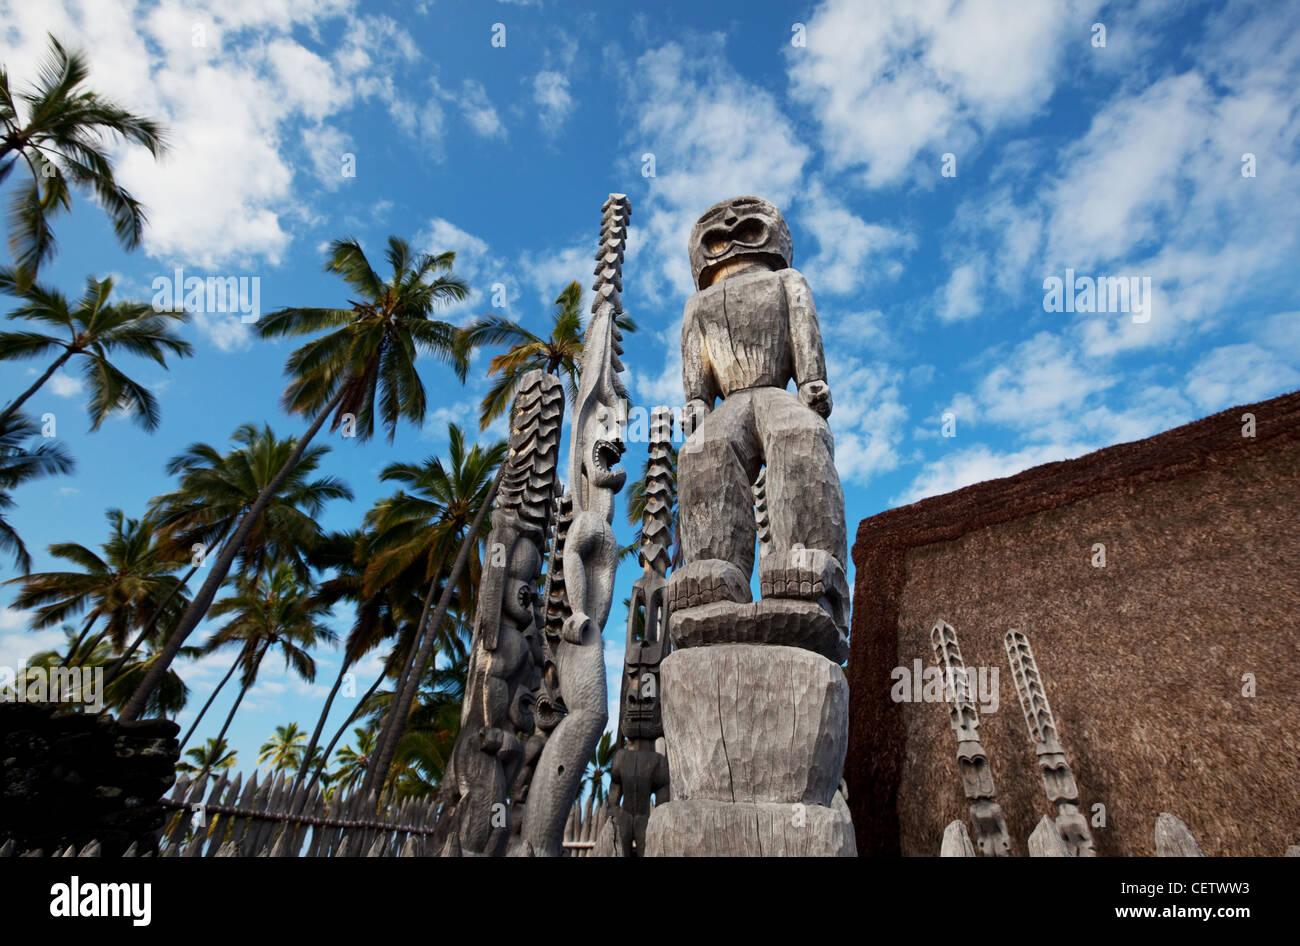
956, 841
972, 761
1058, 778
1046, 841
1175, 839
762, 522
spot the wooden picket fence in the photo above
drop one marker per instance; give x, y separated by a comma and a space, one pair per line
226, 817
582, 829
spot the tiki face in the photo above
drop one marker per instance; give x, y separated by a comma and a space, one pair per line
604, 441
642, 715
743, 228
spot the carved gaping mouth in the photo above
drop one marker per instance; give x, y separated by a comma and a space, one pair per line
749, 232
547, 714
606, 454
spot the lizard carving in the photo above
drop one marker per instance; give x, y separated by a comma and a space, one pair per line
590, 552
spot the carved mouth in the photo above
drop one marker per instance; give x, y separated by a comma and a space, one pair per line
750, 232
607, 454
547, 714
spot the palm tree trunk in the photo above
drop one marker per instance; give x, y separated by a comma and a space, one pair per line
13, 408
76, 645
203, 599
243, 689
386, 731
197, 719
407, 696
147, 631
315, 736
325, 756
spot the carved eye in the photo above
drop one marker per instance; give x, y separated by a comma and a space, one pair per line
749, 231
715, 241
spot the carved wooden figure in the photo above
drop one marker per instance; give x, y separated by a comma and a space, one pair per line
590, 551
639, 770
749, 330
497, 711
1058, 779
755, 706
972, 761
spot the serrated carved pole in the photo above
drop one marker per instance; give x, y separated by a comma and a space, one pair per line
990, 824
1058, 778
590, 553
497, 715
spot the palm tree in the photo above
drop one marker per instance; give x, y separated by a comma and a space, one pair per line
217, 489
130, 585
167, 700
444, 511
423, 527
381, 612
214, 756
284, 750
20, 464
426, 745
368, 356
95, 329
561, 353
270, 609
352, 763
599, 768
60, 132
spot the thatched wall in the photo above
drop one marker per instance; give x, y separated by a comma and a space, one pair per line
1143, 659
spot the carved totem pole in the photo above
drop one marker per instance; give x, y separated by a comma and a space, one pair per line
755, 706
640, 769
986, 815
1058, 778
590, 553
497, 711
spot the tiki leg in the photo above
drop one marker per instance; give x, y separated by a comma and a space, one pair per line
715, 504
805, 503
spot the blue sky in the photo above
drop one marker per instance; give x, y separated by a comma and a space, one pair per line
1123, 159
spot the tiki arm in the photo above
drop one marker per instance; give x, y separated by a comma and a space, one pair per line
806, 343
698, 382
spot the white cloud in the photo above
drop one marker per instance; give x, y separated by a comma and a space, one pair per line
18, 643
960, 298
1239, 374
66, 385
890, 81
551, 271
554, 103
714, 135
978, 463
868, 416
224, 330
479, 111
1039, 386
224, 193
851, 252
325, 146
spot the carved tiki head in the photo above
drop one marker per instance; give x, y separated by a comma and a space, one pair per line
742, 228
642, 714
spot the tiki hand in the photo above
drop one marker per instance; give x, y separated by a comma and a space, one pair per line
693, 415
817, 395
491, 739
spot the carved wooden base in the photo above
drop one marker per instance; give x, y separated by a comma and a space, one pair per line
786, 621
701, 828
756, 739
